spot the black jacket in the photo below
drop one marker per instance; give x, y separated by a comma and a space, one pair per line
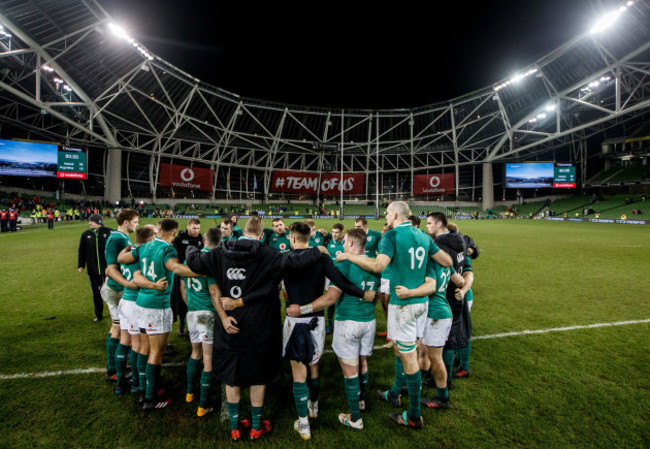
183, 240
92, 250
252, 271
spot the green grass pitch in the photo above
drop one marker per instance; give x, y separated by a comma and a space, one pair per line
579, 388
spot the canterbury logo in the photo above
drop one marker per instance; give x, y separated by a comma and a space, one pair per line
236, 274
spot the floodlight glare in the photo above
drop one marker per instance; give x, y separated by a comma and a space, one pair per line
118, 31
608, 19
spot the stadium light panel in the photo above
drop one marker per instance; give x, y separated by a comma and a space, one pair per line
607, 20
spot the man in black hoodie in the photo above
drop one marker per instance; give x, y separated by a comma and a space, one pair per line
248, 339
92, 248
461, 326
189, 237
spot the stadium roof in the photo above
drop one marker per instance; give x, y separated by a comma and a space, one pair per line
67, 71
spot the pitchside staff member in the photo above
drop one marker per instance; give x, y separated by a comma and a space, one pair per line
189, 237
92, 247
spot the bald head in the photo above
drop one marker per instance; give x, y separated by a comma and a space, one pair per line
400, 208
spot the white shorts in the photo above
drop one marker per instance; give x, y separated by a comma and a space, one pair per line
155, 321
112, 299
128, 317
469, 305
406, 323
200, 323
317, 335
436, 332
385, 286
353, 338
327, 283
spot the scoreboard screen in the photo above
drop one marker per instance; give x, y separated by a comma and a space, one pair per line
71, 163
540, 175
564, 176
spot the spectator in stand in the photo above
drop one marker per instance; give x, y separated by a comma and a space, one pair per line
92, 248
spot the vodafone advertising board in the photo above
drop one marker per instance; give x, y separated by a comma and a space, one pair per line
433, 184
188, 178
289, 181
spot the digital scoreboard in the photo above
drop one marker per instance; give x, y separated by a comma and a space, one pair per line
540, 175
71, 163
564, 176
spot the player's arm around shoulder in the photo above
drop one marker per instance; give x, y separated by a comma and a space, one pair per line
126, 256
371, 265
428, 288
440, 256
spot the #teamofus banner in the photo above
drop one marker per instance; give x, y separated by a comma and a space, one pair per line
290, 181
433, 184
188, 178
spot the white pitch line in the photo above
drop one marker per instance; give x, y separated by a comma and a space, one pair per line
327, 351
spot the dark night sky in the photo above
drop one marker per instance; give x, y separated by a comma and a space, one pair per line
362, 56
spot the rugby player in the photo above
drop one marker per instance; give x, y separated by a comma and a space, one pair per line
157, 260
279, 238
247, 340
407, 250
190, 236
199, 295
355, 330
129, 330
463, 354
334, 246
372, 244
461, 327
111, 291
316, 238
303, 286
227, 232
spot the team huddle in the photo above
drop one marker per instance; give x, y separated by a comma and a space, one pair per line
232, 287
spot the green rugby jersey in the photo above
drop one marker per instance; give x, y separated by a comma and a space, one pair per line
152, 257
409, 249
128, 271
280, 242
335, 248
198, 291
353, 308
266, 235
116, 242
438, 305
233, 237
373, 238
316, 240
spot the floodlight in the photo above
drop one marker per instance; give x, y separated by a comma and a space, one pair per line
607, 20
118, 31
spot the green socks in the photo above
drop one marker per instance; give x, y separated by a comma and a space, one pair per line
133, 361
193, 370
153, 376
256, 413
111, 346
233, 414
353, 392
300, 396
448, 358
142, 372
120, 363
399, 378
414, 386
314, 388
442, 393
463, 355
206, 385
363, 385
